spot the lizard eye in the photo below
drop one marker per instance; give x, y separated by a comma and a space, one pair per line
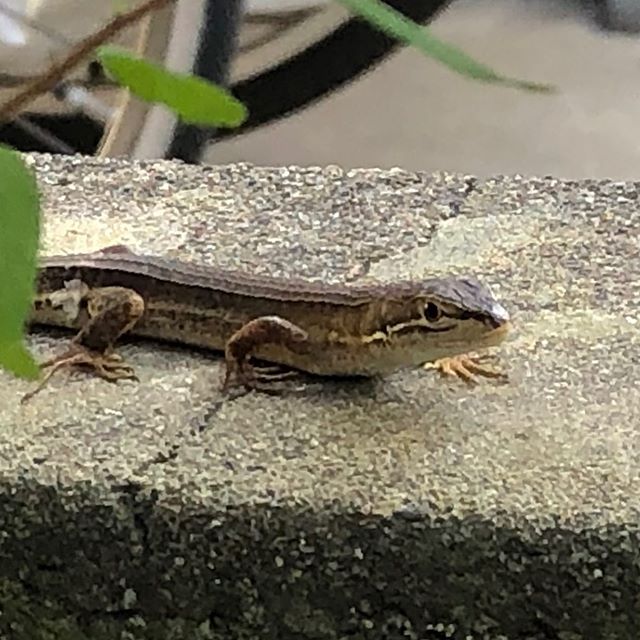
432, 312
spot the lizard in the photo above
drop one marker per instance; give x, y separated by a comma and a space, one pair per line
322, 329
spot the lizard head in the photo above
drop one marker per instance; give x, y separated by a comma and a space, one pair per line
445, 317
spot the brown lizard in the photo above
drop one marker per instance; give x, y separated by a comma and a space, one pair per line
322, 329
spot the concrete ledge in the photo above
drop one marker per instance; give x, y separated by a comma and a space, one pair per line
408, 507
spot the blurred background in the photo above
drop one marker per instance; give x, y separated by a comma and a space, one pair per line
323, 87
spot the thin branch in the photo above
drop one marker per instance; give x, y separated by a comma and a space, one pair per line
42, 135
50, 78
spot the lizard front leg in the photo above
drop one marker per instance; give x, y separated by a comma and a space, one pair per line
104, 314
258, 332
465, 367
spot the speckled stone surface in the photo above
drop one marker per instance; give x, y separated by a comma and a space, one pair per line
409, 507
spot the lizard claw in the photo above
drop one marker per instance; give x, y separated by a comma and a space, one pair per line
466, 367
256, 378
110, 366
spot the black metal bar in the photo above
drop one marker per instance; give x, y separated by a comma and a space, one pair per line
217, 46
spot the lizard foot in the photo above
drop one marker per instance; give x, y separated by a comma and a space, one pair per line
275, 373
256, 378
466, 367
108, 366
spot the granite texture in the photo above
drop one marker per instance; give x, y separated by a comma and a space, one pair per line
403, 507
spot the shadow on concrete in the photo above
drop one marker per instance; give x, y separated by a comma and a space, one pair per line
75, 563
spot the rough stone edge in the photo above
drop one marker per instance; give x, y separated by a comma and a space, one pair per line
136, 567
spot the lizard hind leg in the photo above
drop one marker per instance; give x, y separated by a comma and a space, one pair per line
108, 366
112, 312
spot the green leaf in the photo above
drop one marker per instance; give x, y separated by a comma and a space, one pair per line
15, 357
395, 24
195, 100
19, 237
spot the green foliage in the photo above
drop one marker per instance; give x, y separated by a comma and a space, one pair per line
195, 100
394, 24
19, 236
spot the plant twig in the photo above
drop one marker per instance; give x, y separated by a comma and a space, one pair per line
52, 76
42, 135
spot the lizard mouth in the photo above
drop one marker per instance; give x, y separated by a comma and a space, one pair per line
499, 333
